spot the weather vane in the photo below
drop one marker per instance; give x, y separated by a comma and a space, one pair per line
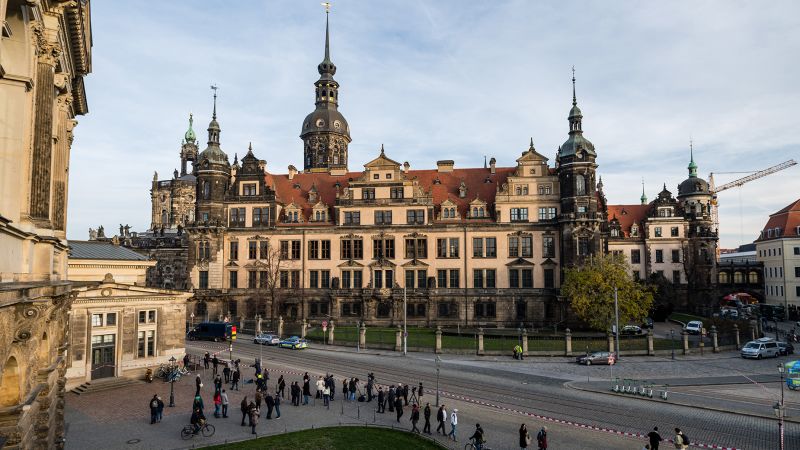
327, 6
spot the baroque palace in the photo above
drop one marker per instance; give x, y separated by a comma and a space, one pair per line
469, 246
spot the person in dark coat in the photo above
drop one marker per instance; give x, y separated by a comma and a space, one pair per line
198, 403
245, 407
235, 379
441, 417
478, 437
306, 389
226, 372
217, 384
294, 391
524, 437
270, 402
199, 383
414, 418
541, 438
281, 387
351, 388
427, 415
381, 400
419, 391
344, 389
391, 397
398, 407
186, 361
333, 386
405, 394
277, 402
370, 386
154, 409
206, 360
160, 412
655, 438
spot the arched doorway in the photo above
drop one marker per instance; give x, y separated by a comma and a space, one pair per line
9, 386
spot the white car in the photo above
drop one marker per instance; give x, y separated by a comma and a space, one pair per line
694, 327
266, 339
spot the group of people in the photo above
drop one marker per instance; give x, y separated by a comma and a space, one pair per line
681, 440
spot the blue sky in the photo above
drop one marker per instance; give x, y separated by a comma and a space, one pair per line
447, 80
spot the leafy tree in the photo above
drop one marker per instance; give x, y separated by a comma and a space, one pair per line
590, 289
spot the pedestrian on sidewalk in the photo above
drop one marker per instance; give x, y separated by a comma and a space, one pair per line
270, 401
351, 388
345, 394
235, 379
154, 409
198, 403
419, 392
427, 414
226, 372
160, 411
277, 406
441, 417
281, 386
224, 404
186, 361
453, 424
294, 391
206, 360
217, 404
414, 418
245, 407
541, 438
306, 389
259, 398
381, 400
254, 415
524, 437
370, 386
655, 438
217, 384
405, 394
332, 385
680, 439
398, 407
199, 383
326, 396
391, 397
478, 437
320, 385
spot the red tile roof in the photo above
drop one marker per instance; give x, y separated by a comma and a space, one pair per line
787, 219
627, 215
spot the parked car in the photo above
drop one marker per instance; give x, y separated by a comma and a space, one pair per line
294, 343
694, 327
594, 358
630, 329
266, 339
760, 348
785, 348
212, 331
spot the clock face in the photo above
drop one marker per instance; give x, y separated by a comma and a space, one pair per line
579, 154
320, 123
337, 124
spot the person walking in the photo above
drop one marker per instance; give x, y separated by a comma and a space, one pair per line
245, 408
427, 414
680, 440
206, 360
441, 417
270, 401
381, 400
226, 373
332, 386
259, 398
277, 402
306, 389
217, 384
414, 418
524, 437
186, 361
477, 436
199, 383
453, 424
160, 412
655, 438
215, 364
254, 415
224, 396
398, 407
217, 404
235, 379
154, 409
541, 439
281, 386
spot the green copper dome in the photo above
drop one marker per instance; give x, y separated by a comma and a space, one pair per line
190, 136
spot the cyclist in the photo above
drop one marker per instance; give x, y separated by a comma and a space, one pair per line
198, 420
478, 437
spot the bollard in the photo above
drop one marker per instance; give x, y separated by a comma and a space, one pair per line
736, 335
438, 348
650, 348
258, 324
685, 337
567, 342
714, 340
480, 341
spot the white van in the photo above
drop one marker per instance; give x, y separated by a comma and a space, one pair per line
761, 348
694, 327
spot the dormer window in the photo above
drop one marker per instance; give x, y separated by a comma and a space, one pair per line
614, 232
249, 189
388, 176
635, 230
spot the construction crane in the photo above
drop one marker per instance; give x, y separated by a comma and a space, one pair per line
738, 183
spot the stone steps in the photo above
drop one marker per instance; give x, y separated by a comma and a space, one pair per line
104, 384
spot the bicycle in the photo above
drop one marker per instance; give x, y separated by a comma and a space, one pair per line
207, 430
471, 446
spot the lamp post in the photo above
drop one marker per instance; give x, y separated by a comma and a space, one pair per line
405, 329
779, 410
616, 323
438, 360
172, 382
672, 338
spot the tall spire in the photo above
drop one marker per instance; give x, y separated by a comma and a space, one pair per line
574, 97
214, 88
213, 126
575, 114
692, 165
189, 136
327, 6
643, 198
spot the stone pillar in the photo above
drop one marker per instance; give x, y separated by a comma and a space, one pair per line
568, 342
330, 333
480, 341
685, 337
438, 348
714, 340
398, 339
258, 324
303, 329
611, 343
362, 336
42, 154
280, 326
524, 342
736, 335
650, 348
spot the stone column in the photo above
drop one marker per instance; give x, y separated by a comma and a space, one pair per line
42, 154
480, 341
611, 343
303, 329
714, 341
330, 333
280, 326
438, 348
398, 339
258, 324
736, 335
524, 342
650, 348
685, 337
568, 342
362, 336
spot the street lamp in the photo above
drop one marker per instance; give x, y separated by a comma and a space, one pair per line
616, 319
438, 360
172, 382
672, 338
779, 408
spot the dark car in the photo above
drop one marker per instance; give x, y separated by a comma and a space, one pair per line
211, 331
785, 348
594, 358
630, 330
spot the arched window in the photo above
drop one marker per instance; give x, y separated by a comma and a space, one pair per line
9, 386
723, 278
614, 232
738, 277
634, 230
580, 185
446, 213
752, 277
206, 190
164, 218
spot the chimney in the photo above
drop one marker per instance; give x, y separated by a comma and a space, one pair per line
406, 166
292, 172
445, 165
492, 163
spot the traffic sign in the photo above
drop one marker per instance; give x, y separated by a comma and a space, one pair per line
405, 334
324, 324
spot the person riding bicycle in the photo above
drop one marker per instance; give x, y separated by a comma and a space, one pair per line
478, 436
198, 420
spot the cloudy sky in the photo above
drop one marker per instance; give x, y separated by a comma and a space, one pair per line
448, 80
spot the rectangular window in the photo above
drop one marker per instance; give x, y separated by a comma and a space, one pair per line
549, 279
527, 278
454, 246
583, 246
357, 275
383, 248
491, 247
411, 276
673, 231
203, 279
383, 217
636, 256
477, 247
441, 248
233, 279
547, 213
313, 249
248, 188
396, 192
519, 214
295, 279
676, 276
111, 319
548, 247
313, 279
676, 256
260, 216
252, 279
352, 218
455, 279
252, 249
513, 278
797, 272
441, 278
416, 248
658, 231
527, 246
797, 291
797, 249
234, 250
422, 279
485, 309
97, 320
263, 279
263, 249
284, 275
346, 279
237, 217
377, 279
659, 256
368, 193
415, 216
444, 309
284, 250
295, 249
477, 278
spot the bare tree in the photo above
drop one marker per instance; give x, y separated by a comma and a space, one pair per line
274, 263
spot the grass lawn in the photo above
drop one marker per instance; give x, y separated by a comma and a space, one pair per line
335, 438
